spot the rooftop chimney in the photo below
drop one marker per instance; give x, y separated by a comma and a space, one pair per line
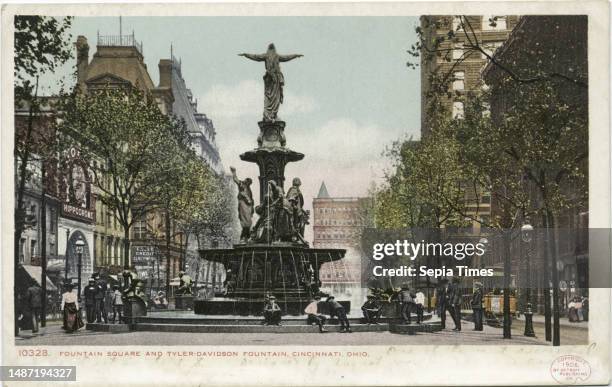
165, 73
82, 56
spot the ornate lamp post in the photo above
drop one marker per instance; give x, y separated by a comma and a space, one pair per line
485, 242
80, 243
67, 265
527, 237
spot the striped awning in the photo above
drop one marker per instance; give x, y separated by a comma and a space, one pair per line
35, 272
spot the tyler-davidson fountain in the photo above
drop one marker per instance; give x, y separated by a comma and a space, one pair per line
272, 257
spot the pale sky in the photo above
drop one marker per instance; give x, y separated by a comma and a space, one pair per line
349, 97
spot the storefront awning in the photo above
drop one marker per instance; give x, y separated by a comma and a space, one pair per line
35, 272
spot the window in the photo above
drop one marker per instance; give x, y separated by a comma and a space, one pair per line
95, 250
109, 249
459, 80
21, 252
140, 229
32, 249
102, 252
493, 23
458, 51
490, 48
457, 25
458, 110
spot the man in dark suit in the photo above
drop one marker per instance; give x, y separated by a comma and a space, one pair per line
90, 300
34, 299
406, 303
101, 288
453, 299
441, 301
476, 304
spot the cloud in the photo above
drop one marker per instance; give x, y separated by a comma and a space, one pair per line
345, 154
246, 99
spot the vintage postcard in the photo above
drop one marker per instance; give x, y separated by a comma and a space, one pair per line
285, 194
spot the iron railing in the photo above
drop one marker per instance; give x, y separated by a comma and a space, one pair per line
119, 41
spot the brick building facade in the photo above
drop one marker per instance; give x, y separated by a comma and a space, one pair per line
337, 223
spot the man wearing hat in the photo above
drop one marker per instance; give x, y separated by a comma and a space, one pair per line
406, 300
314, 317
336, 309
476, 304
90, 300
372, 310
441, 301
272, 312
34, 299
101, 288
453, 299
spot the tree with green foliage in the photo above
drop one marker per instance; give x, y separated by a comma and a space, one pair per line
41, 44
129, 146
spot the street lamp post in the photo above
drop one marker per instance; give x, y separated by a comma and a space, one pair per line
79, 250
485, 243
527, 237
67, 265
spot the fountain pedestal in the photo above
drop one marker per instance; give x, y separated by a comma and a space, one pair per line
288, 271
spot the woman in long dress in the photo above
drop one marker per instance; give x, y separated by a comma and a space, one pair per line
70, 306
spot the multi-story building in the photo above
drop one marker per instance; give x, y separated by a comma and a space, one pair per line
185, 106
119, 63
30, 247
203, 141
462, 65
338, 223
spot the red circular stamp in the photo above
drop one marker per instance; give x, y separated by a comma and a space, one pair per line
570, 369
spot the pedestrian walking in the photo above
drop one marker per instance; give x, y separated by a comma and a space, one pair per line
90, 300
406, 304
70, 308
441, 301
476, 304
34, 300
453, 299
100, 297
419, 301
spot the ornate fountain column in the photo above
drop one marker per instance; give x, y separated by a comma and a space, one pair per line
271, 155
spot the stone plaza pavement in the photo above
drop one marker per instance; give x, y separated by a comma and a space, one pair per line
54, 335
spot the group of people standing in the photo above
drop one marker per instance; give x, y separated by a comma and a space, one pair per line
449, 298
578, 309
411, 302
94, 294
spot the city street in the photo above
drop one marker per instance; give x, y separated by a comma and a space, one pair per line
490, 336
